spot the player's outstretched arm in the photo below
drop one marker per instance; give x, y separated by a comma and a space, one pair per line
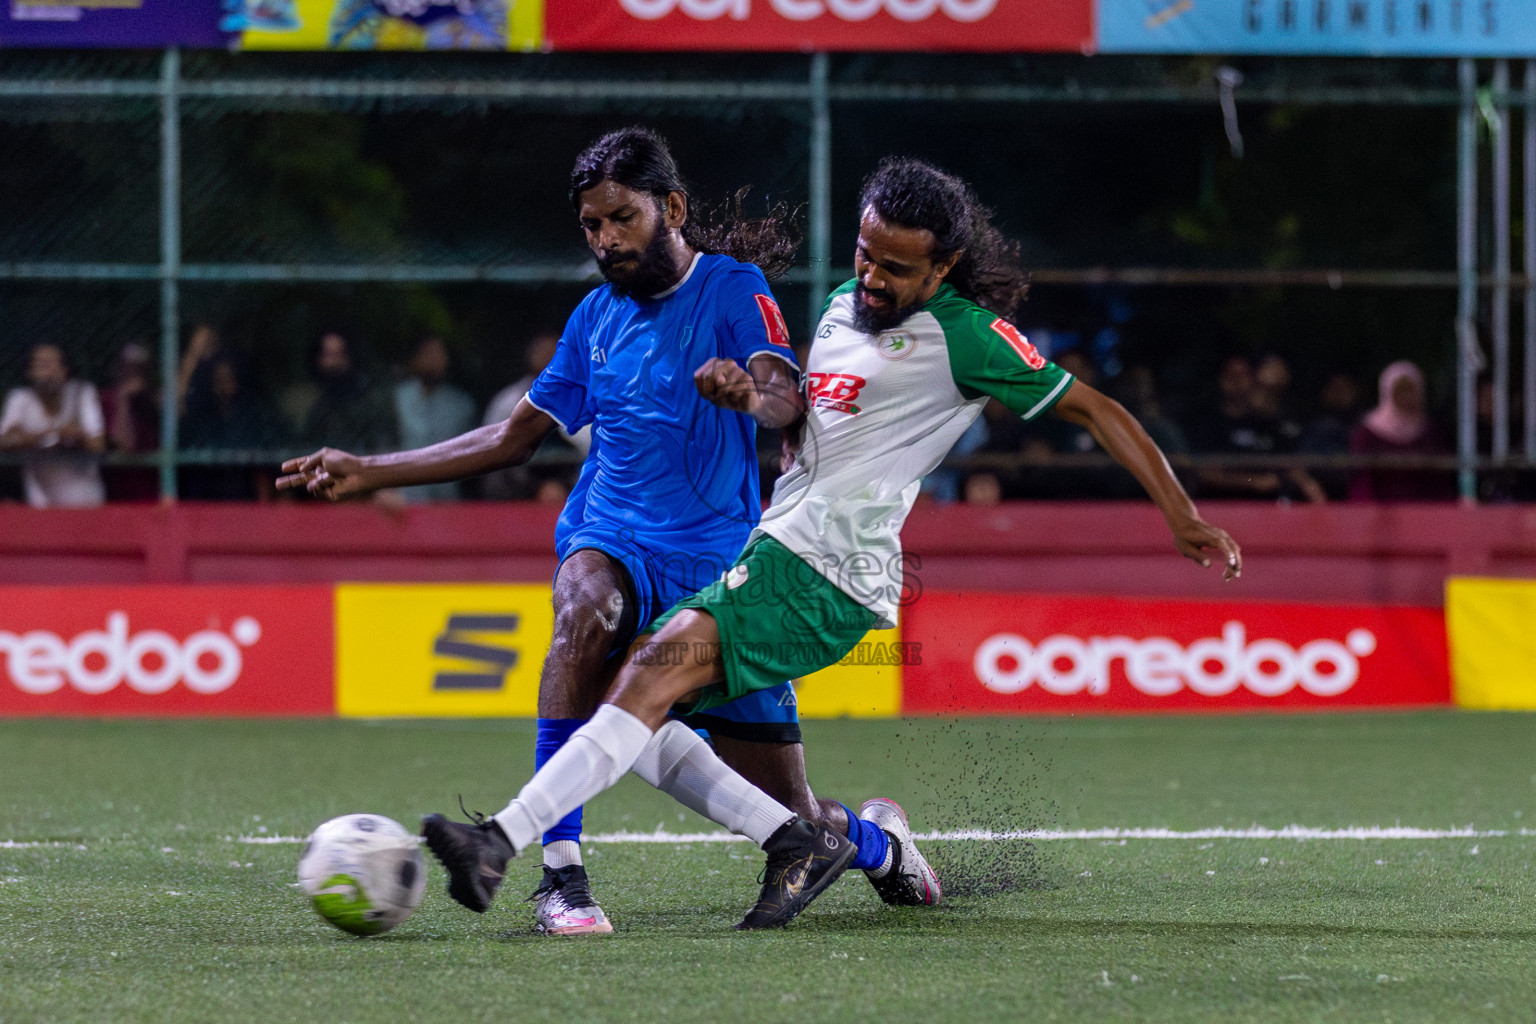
330, 473
765, 390
1118, 433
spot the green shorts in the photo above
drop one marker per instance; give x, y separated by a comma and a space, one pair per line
778, 619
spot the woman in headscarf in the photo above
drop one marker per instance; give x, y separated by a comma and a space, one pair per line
1399, 426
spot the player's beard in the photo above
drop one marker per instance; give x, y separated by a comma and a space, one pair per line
877, 319
652, 271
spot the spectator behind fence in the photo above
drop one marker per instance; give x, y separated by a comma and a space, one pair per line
428, 409
1400, 425
60, 415
223, 413
1271, 403
547, 484
1327, 433
202, 345
1270, 400
1245, 422
131, 409
349, 412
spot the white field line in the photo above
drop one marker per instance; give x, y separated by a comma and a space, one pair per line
12, 844
1298, 833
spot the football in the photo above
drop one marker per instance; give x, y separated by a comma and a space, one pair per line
364, 873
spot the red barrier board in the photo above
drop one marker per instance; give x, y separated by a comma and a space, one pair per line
167, 651
1012, 653
804, 25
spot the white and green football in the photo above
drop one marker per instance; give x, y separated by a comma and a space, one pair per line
364, 873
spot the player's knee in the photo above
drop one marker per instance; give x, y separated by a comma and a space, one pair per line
589, 617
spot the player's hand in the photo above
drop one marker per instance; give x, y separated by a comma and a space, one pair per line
328, 473
1195, 537
727, 384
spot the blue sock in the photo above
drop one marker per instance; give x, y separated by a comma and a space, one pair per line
869, 838
552, 734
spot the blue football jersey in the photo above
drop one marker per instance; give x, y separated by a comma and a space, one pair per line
668, 472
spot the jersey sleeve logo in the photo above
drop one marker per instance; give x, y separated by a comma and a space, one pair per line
773, 321
834, 391
1020, 344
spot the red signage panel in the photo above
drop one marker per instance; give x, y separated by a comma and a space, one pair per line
1011, 653
963, 25
157, 651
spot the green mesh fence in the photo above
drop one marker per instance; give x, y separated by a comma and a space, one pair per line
388, 197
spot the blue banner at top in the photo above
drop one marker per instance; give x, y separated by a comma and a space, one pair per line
1362, 28
113, 23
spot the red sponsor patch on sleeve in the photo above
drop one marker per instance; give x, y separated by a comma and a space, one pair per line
773, 321
1020, 344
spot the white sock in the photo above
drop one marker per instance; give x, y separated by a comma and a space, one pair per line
595, 757
890, 858
678, 762
562, 853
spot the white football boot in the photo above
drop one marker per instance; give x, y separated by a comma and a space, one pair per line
563, 904
909, 882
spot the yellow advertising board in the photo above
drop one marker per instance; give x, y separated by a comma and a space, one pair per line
372, 25
475, 650
1491, 626
425, 650
866, 684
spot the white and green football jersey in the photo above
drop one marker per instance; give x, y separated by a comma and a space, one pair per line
883, 410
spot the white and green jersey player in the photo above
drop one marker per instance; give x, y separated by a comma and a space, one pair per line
882, 411
890, 385
883, 408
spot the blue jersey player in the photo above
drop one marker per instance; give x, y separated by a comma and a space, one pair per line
668, 493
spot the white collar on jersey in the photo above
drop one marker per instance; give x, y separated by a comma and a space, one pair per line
689, 273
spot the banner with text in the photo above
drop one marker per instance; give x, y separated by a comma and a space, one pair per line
160, 651
1012, 653
973, 25
276, 24
1362, 28
112, 23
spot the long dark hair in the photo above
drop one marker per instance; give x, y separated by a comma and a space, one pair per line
640, 159
915, 194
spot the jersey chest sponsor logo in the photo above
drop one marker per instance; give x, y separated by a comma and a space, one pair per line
1020, 344
896, 344
835, 391
773, 321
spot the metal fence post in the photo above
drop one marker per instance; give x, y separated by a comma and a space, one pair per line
1530, 260
1500, 126
170, 264
1466, 268
821, 192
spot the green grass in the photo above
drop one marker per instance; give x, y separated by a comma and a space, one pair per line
162, 918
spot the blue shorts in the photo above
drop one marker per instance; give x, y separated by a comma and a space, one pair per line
656, 584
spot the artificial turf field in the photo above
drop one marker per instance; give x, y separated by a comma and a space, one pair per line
142, 903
